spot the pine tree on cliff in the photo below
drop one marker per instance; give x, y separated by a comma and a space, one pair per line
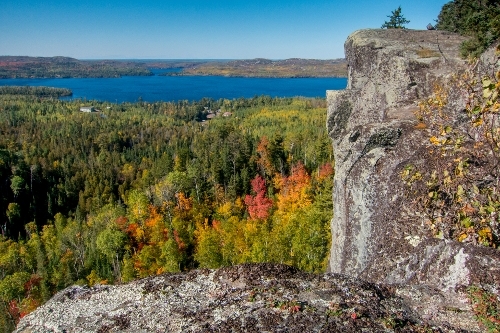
396, 20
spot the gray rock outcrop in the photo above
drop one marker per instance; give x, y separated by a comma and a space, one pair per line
372, 126
247, 298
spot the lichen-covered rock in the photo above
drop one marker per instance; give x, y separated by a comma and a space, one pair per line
248, 298
372, 126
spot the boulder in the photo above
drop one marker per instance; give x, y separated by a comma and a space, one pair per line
373, 129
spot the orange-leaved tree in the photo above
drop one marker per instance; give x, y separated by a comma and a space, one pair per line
293, 190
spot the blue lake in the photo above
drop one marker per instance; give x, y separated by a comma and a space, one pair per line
174, 88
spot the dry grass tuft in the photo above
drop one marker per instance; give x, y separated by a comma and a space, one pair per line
427, 53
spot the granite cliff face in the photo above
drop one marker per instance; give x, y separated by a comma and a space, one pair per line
372, 126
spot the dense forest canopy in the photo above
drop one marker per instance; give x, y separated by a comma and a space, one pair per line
138, 189
145, 188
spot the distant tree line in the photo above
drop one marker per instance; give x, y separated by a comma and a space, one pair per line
64, 67
35, 91
288, 68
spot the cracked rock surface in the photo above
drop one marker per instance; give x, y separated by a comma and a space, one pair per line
248, 298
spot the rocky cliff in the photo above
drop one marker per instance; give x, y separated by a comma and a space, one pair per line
373, 128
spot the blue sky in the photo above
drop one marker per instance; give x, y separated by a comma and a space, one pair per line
195, 29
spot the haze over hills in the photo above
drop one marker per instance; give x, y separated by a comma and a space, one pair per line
65, 67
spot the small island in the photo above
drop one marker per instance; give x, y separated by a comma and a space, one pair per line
42, 92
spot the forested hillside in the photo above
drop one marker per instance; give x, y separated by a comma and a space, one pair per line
65, 67
146, 188
268, 68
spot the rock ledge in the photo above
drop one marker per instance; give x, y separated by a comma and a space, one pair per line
248, 298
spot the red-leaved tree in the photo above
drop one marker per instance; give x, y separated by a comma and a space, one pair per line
258, 205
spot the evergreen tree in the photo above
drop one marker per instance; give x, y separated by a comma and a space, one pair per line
396, 20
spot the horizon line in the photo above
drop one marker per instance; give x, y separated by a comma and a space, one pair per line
172, 59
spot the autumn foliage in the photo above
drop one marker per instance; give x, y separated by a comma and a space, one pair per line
259, 205
150, 189
456, 194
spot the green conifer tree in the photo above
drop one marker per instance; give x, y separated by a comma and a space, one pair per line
396, 20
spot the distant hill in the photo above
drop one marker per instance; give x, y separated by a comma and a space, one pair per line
65, 67
259, 67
